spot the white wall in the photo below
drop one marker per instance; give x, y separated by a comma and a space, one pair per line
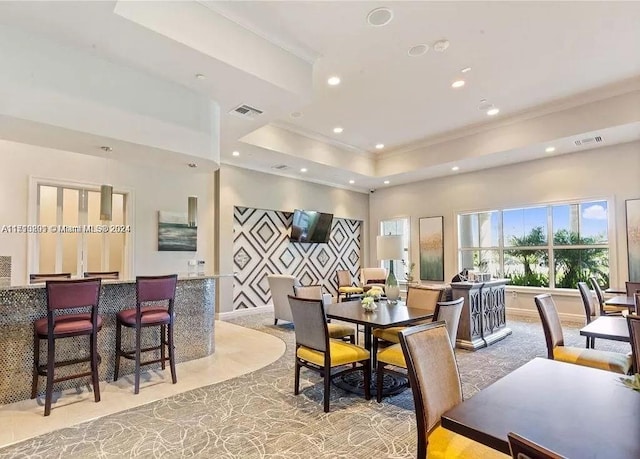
608, 172
243, 187
153, 188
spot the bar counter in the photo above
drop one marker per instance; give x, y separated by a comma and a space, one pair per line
21, 306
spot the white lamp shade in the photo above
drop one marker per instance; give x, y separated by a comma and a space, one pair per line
192, 211
389, 247
106, 202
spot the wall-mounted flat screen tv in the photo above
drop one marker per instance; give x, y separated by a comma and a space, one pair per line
310, 226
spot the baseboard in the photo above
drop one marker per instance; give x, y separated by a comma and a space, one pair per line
533, 314
244, 312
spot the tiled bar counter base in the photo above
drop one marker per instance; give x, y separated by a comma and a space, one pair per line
21, 306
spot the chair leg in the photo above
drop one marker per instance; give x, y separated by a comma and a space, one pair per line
379, 381
163, 341
136, 387
172, 354
367, 379
116, 368
36, 364
51, 356
593, 342
374, 351
275, 321
296, 381
94, 365
327, 386
588, 345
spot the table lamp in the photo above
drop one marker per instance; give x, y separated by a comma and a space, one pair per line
390, 248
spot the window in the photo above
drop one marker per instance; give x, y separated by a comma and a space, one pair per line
543, 246
75, 240
398, 227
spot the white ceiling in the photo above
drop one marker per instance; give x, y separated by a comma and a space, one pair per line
524, 56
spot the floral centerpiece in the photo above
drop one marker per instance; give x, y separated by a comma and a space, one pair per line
370, 298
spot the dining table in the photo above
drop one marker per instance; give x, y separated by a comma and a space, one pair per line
576, 411
622, 300
614, 328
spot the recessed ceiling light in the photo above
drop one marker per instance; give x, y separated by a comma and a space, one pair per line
303, 169
338, 130
380, 17
352, 182
493, 111
201, 76
418, 50
550, 149
379, 146
333, 81
295, 114
457, 84
455, 168
386, 182
484, 105
466, 69
236, 153
192, 165
441, 46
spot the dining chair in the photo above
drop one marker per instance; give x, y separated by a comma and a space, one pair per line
102, 274
589, 310
281, 286
393, 357
63, 296
435, 382
317, 351
605, 309
556, 350
522, 448
346, 289
336, 331
43, 277
632, 287
155, 297
633, 321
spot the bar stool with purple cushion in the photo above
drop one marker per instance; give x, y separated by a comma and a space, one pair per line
149, 289
64, 295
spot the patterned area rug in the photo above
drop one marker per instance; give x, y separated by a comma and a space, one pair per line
257, 415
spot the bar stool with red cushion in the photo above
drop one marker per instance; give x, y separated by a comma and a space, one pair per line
149, 289
64, 295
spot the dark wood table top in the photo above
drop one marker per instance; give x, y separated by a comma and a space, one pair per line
387, 315
613, 328
578, 412
622, 300
616, 290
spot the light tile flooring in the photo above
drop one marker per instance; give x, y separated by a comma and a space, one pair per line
238, 351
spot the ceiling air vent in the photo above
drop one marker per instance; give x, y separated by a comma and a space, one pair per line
280, 167
588, 140
246, 111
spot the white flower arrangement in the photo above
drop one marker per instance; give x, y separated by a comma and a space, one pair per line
369, 304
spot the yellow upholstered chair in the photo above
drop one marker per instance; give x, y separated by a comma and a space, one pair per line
370, 277
522, 448
605, 309
556, 350
435, 382
316, 351
314, 292
633, 320
345, 285
392, 357
589, 310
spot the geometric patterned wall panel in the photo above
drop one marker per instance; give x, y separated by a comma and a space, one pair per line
261, 246
5, 271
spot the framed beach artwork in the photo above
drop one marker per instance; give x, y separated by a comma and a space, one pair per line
431, 232
633, 238
175, 234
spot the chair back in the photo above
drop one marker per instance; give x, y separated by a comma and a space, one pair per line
373, 276
311, 292
522, 448
344, 278
43, 277
450, 312
636, 298
156, 289
281, 286
599, 294
433, 375
632, 287
550, 322
587, 301
103, 274
72, 294
424, 297
633, 321
310, 323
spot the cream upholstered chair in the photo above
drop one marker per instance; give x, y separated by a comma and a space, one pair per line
589, 310
446, 311
370, 277
556, 350
281, 286
435, 382
314, 292
633, 320
316, 351
605, 309
522, 448
418, 296
345, 285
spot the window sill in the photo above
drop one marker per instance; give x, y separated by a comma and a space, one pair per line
540, 290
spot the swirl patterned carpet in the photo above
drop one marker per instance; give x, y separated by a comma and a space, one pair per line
257, 415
